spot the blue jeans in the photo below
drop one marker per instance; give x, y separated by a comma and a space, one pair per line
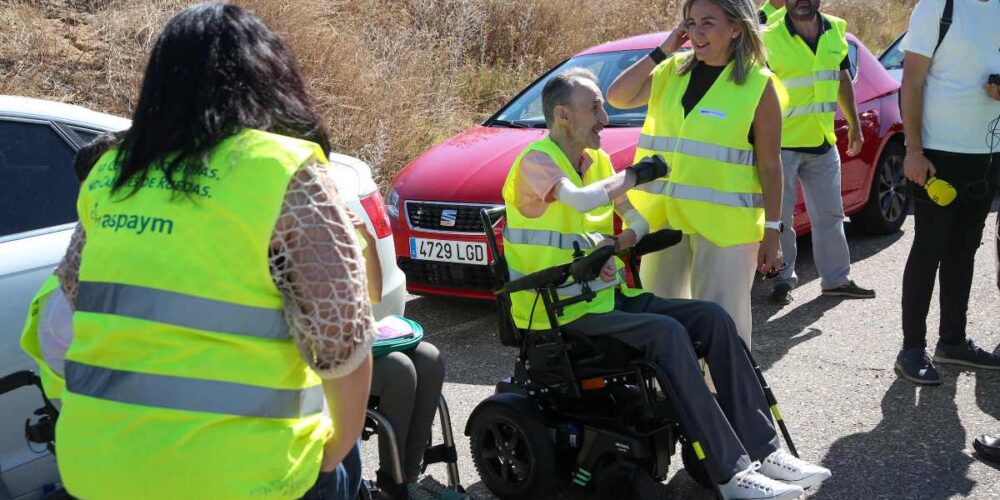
341, 483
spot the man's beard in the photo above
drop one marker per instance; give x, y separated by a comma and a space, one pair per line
804, 14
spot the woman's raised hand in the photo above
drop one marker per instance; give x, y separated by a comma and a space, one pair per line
677, 38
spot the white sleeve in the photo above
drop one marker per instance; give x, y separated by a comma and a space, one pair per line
925, 25
583, 199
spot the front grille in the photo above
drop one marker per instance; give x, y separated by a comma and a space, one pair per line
427, 216
445, 274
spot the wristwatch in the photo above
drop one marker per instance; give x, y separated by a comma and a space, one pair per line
777, 225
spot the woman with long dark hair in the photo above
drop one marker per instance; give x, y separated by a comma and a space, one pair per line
217, 286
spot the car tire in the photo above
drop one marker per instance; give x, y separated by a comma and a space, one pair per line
888, 200
513, 453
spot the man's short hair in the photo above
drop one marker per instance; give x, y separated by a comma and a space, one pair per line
557, 91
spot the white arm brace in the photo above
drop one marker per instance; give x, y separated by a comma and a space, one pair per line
582, 199
634, 220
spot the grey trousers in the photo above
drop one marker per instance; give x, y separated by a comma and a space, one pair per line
408, 385
734, 430
819, 176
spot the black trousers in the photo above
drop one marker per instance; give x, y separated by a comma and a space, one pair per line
945, 243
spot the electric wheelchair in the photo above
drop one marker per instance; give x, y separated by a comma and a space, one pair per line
585, 410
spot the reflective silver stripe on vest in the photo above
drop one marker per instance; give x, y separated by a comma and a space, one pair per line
191, 394
684, 192
182, 310
696, 193
697, 148
807, 81
542, 237
819, 107
653, 187
826, 75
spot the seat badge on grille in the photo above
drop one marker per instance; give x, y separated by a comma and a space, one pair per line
448, 218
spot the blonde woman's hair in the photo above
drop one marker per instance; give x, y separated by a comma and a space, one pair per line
747, 49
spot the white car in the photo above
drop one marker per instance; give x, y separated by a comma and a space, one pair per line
38, 191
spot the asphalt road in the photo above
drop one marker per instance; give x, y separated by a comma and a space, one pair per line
830, 364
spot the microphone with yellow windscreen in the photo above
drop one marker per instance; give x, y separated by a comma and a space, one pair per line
940, 191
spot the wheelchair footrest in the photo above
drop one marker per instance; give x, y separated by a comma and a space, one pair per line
440, 454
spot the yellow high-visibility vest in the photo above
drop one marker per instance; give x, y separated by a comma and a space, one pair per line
712, 188
533, 244
772, 13
811, 79
182, 380
52, 382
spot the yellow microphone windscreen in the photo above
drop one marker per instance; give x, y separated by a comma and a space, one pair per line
940, 192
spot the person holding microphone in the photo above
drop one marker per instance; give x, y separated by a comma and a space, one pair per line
715, 117
949, 105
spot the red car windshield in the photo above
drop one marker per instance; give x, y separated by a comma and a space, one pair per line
525, 111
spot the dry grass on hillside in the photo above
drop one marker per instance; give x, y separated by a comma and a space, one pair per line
391, 77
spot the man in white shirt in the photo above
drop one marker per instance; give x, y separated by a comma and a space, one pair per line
948, 112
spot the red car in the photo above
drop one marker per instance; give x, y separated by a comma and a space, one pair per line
434, 201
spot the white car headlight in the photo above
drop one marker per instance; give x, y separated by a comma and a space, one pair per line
392, 203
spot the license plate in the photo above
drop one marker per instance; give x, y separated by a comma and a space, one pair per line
458, 252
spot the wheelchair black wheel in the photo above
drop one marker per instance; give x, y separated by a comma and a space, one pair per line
513, 453
694, 467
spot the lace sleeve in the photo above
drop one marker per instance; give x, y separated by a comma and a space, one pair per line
317, 266
68, 269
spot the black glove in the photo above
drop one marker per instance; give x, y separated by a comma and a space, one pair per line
649, 168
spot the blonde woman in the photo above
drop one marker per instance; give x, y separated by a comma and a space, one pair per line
715, 117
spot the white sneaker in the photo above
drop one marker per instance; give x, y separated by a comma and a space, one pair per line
752, 485
782, 466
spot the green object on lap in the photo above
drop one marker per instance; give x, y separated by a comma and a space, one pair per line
396, 333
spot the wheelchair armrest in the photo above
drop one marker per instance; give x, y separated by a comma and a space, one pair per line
589, 268
551, 276
653, 242
582, 270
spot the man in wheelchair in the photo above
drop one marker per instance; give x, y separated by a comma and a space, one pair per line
561, 195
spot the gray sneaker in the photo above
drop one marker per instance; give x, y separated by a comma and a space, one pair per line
966, 353
850, 290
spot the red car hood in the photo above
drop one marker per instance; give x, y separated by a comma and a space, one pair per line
472, 166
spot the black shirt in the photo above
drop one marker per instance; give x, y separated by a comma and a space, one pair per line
824, 25
703, 77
